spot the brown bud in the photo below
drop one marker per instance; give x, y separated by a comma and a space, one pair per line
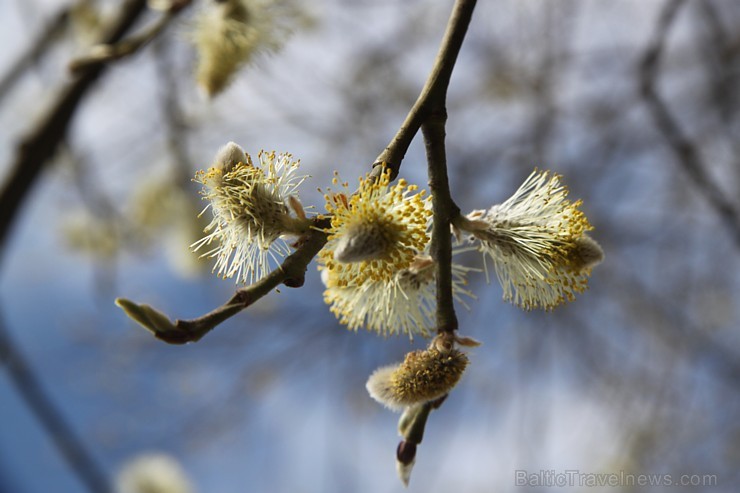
406, 452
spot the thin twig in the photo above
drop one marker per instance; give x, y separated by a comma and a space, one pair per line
435, 87
291, 273
433, 112
443, 210
104, 53
68, 443
720, 57
430, 113
685, 151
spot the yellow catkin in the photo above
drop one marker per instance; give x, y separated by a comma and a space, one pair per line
423, 376
394, 216
537, 242
427, 375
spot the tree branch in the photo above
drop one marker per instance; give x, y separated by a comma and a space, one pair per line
443, 211
291, 273
435, 88
41, 143
104, 53
432, 111
69, 445
685, 151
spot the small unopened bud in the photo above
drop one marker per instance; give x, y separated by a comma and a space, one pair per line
586, 254
363, 241
229, 156
151, 319
405, 459
406, 452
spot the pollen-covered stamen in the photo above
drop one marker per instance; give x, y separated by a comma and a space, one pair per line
375, 232
250, 214
537, 242
403, 304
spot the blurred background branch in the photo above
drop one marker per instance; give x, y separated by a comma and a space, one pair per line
684, 150
105, 53
38, 47
40, 143
70, 446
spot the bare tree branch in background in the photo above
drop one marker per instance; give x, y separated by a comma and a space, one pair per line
722, 50
68, 443
37, 148
40, 144
39, 46
686, 153
175, 125
108, 52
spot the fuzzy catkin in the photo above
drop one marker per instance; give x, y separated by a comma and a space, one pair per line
423, 376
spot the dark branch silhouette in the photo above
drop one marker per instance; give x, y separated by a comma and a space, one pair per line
686, 153
68, 443
38, 48
41, 143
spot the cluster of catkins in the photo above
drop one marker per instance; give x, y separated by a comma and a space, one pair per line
376, 265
